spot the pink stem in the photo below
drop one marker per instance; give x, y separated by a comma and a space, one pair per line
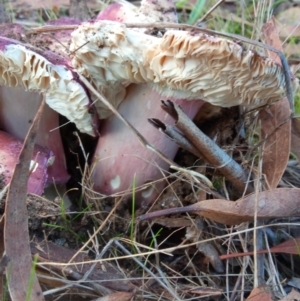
18, 109
120, 156
9, 153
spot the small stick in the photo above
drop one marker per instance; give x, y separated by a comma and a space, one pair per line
175, 136
208, 149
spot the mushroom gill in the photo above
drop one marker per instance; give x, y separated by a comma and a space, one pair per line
181, 64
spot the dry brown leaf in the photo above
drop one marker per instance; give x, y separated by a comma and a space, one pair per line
16, 234
259, 294
291, 246
292, 296
276, 203
120, 296
174, 222
275, 123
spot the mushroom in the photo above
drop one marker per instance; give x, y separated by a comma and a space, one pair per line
27, 68
119, 156
135, 68
181, 65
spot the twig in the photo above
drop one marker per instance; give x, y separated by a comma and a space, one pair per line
210, 11
175, 136
209, 150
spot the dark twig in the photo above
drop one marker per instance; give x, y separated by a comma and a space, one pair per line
175, 136
209, 150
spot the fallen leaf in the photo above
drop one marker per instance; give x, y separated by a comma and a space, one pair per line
292, 296
174, 222
22, 282
275, 123
259, 294
275, 203
291, 246
120, 296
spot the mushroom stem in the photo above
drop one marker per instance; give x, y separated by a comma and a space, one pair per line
18, 109
9, 153
120, 156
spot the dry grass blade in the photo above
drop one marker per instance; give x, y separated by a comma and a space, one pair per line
22, 283
275, 123
292, 246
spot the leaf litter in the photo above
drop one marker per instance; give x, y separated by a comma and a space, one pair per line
274, 203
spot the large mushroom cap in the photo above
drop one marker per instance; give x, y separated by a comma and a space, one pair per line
182, 64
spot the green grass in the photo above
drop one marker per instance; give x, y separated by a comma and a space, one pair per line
154, 237
68, 222
32, 277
